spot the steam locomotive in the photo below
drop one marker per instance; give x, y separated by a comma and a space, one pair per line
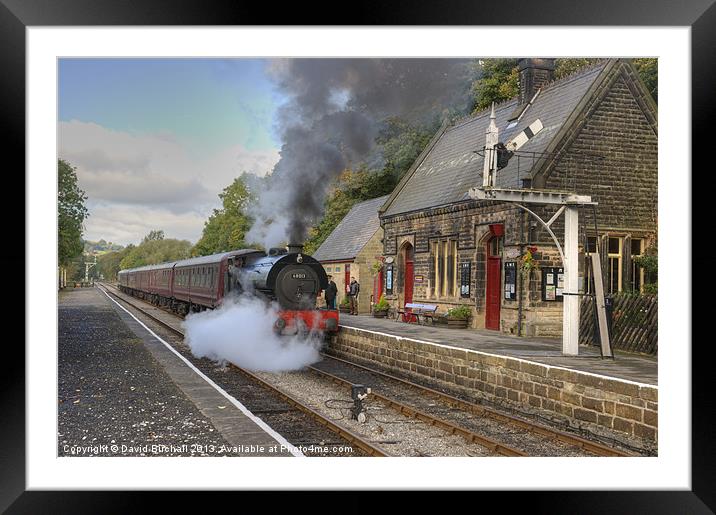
287, 276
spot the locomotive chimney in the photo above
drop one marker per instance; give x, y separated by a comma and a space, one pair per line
295, 248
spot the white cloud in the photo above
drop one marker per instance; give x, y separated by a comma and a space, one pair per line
129, 224
136, 183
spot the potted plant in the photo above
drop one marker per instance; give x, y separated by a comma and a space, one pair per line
458, 317
345, 305
380, 309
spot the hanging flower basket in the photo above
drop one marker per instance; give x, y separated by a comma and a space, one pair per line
528, 263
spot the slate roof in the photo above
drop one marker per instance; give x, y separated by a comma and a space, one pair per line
352, 233
451, 167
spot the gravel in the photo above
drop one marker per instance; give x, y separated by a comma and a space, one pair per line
298, 428
113, 398
395, 433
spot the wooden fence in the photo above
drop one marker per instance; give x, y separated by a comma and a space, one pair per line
634, 323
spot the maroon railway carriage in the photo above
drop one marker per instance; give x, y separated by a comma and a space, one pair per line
292, 278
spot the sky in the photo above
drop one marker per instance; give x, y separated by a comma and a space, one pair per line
155, 141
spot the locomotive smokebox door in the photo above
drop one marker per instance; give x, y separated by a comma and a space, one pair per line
297, 287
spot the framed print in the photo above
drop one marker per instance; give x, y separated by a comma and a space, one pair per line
39, 38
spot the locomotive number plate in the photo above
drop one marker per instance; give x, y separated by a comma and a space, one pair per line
298, 276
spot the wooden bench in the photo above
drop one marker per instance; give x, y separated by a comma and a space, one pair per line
414, 310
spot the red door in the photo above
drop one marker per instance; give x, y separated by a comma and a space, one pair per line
379, 286
347, 277
408, 282
492, 306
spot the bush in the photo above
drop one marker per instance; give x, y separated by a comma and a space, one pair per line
381, 305
346, 302
460, 312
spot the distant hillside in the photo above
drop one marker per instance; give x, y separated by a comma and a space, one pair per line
100, 247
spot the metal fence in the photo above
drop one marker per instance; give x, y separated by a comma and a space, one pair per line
634, 322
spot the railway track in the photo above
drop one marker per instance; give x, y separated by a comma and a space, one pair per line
257, 400
429, 404
473, 422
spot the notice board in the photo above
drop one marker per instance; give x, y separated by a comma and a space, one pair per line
552, 284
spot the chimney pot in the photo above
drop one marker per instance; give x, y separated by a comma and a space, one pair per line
534, 73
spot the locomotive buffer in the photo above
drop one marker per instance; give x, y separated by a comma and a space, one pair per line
496, 157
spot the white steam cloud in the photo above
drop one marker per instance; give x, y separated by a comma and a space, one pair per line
241, 332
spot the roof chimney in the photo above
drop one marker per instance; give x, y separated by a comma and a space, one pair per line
534, 73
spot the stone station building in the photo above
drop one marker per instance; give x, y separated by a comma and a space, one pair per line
353, 249
599, 138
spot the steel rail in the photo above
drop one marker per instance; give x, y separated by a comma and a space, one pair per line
350, 437
542, 430
408, 411
539, 429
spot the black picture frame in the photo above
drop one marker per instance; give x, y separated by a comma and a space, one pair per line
16, 15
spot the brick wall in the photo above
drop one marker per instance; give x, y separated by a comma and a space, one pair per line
601, 405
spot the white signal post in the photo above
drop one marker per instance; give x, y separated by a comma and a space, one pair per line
569, 203
490, 164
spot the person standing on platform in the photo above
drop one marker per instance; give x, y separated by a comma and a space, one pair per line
353, 292
331, 292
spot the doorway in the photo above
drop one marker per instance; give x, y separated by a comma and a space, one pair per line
347, 279
493, 283
408, 273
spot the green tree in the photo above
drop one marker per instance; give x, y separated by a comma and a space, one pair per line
648, 69
650, 263
567, 66
108, 263
226, 227
71, 213
153, 236
400, 143
499, 81
152, 252
499, 78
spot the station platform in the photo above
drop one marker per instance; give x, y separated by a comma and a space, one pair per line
638, 368
124, 392
615, 399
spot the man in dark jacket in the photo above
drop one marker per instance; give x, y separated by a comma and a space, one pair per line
353, 292
331, 292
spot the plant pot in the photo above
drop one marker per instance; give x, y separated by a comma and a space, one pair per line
457, 323
380, 314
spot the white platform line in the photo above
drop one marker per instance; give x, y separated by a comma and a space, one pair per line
280, 439
505, 356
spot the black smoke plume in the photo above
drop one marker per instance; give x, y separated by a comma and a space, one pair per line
330, 121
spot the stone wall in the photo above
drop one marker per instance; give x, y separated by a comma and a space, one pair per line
368, 255
610, 152
597, 404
